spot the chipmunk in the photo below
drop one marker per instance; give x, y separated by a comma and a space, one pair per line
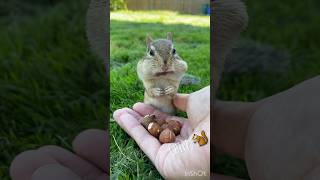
161, 71
202, 140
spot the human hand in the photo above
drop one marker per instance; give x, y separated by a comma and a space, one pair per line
89, 160
182, 159
268, 133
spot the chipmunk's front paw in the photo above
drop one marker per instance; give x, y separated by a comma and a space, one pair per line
169, 90
157, 92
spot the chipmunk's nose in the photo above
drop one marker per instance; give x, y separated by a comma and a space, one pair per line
165, 68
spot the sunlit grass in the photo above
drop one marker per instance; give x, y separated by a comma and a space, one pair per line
165, 17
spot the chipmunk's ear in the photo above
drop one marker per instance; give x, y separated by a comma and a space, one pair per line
169, 36
148, 40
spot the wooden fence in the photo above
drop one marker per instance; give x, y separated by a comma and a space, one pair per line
182, 6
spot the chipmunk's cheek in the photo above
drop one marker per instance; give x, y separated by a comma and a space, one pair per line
148, 69
154, 71
181, 66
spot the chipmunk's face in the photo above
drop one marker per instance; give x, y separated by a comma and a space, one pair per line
163, 58
194, 137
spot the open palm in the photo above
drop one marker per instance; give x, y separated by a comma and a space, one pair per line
183, 158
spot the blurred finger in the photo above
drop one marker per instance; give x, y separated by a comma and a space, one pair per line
181, 101
147, 143
53, 172
26, 163
81, 167
97, 153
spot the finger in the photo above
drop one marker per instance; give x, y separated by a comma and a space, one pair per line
147, 143
26, 163
145, 109
92, 145
186, 130
200, 98
198, 107
119, 112
53, 172
181, 101
81, 167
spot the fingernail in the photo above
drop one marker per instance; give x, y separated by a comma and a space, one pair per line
137, 104
117, 113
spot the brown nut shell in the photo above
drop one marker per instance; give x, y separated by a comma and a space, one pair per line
164, 126
146, 120
161, 121
154, 129
175, 126
167, 136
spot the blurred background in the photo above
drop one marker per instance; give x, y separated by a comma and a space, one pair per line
51, 86
279, 49
181, 6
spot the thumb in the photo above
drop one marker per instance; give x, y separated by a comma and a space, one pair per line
180, 101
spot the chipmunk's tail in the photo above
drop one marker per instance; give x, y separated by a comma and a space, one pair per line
203, 134
229, 18
96, 26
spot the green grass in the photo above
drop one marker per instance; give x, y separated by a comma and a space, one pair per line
128, 32
51, 86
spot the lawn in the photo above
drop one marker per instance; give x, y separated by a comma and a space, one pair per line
191, 36
51, 86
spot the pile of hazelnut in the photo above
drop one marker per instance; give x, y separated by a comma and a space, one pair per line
165, 131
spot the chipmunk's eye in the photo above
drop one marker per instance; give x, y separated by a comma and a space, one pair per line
173, 51
151, 52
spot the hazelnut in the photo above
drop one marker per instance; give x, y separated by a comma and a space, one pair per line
146, 120
164, 126
161, 121
167, 136
175, 126
154, 129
